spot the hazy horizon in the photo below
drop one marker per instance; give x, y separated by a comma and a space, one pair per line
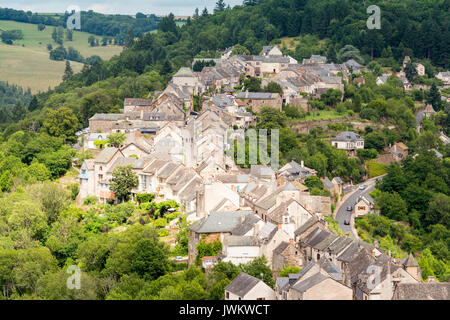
130, 7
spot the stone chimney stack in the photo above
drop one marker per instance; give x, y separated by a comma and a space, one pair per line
142, 114
302, 163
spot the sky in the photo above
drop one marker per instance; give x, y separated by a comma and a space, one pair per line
159, 7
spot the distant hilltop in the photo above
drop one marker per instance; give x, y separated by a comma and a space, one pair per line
175, 17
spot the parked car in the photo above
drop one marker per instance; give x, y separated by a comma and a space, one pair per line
362, 187
349, 208
347, 223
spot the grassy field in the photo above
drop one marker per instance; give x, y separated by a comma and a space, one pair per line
375, 169
27, 62
323, 115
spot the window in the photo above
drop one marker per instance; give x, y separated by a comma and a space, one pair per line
227, 295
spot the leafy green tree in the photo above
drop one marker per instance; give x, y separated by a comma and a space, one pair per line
313, 182
289, 269
116, 139
63, 123
123, 180
274, 87
258, 268
392, 206
149, 259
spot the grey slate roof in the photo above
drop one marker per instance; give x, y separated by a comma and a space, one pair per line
282, 283
167, 170
327, 183
233, 178
245, 226
308, 224
122, 162
242, 284
422, 291
270, 200
316, 237
106, 155
410, 261
267, 231
310, 282
184, 72
326, 242
339, 245
348, 136
281, 247
240, 241
256, 95
220, 222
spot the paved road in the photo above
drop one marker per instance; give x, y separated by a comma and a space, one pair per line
344, 215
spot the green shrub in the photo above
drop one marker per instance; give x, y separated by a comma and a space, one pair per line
90, 200
160, 223
163, 232
145, 197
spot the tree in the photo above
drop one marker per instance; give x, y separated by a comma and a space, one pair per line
58, 54
433, 97
41, 27
392, 206
68, 72
410, 71
123, 180
313, 182
240, 50
258, 268
274, 87
331, 97
252, 84
149, 259
54, 34
69, 35
205, 12
130, 38
220, 6
116, 139
19, 111
63, 123
91, 41
34, 104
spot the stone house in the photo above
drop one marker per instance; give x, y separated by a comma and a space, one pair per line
285, 255
364, 205
246, 287
221, 224
348, 141
258, 100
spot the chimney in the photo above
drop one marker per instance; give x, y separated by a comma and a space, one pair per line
242, 218
246, 94
302, 164
142, 114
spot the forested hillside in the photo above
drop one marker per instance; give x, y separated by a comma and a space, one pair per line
116, 26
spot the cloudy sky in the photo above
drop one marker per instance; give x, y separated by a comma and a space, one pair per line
177, 7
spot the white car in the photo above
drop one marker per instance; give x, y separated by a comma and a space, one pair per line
362, 187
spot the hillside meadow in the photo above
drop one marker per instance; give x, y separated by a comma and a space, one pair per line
27, 62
